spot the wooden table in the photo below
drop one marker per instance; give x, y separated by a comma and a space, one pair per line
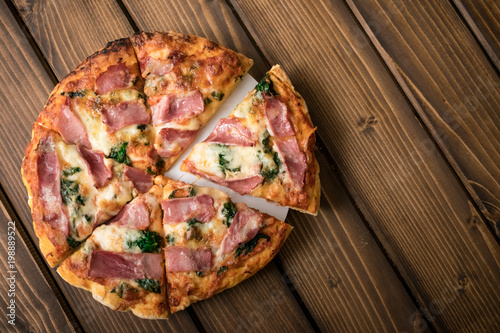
406, 97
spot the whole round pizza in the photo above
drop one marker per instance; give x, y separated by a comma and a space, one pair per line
102, 208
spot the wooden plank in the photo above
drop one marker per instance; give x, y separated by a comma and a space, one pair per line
483, 18
365, 275
35, 306
400, 182
24, 89
289, 314
450, 82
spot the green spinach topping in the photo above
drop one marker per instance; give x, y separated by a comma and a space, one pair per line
192, 193
246, 248
239, 77
160, 163
72, 243
119, 153
150, 171
223, 164
266, 85
207, 101
150, 285
119, 289
221, 270
170, 239
73, 94
192, 222
70, 191
269, 174
70, 171
88, 218
229, 211
199, 274
149, 242
217, 95
142, 127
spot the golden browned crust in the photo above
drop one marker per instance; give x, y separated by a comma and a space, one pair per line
198, 64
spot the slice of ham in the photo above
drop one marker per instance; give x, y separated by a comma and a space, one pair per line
152, 66
49, 186
184, 259
98, 171
293, 159
133, 215
174, 108
124, 114
106, 264
276, 114
114, 78
171, 141
141, 180
240, 185
70, 127
200, 207
231, 131
245, 226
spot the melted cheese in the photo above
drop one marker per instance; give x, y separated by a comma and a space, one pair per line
116, 239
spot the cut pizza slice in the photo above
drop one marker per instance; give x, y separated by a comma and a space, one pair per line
186, 80
66, 202
265, 148
121, 263
212, 244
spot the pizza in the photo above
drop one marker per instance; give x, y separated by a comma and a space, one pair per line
102, 209
102, 136
265, 148
212, 243
121, 262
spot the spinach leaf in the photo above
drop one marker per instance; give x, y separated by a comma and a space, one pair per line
69, 189
150, 285
207, 101
217, 95
70, 171
72, 243
150, 242
246, 248
221, 270
223, 163
119, 153
192, 222
266, 85
229, 211
266, 143
73, 94
119, 289
269, 175
142, 127
199, 274
170, 239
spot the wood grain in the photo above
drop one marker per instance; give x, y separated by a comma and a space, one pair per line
450, 82
483, 18
363, 275
24, 88
289, 313
399, 180
36, 307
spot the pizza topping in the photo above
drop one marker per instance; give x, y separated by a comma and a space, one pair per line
150, 285
149, 241
231, 131
265, 85
183, 259
98, 171
106, 264
114, 78
124, 114
49, 186
200, 207
229, 211
170, 141
245, 226
151, 66
276, 114
70, 127
293, 159
246, 248
141, 180
175, 108
133, 215
119, 153
243, 185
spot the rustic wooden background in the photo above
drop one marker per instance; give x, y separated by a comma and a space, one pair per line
406, 97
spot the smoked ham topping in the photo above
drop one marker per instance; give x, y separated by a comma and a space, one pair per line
200, 207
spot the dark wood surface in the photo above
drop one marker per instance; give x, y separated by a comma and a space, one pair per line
406, 99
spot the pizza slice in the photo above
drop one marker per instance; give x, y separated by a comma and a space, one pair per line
265, 148
212, 244
121, 263
186, 80
72, 190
